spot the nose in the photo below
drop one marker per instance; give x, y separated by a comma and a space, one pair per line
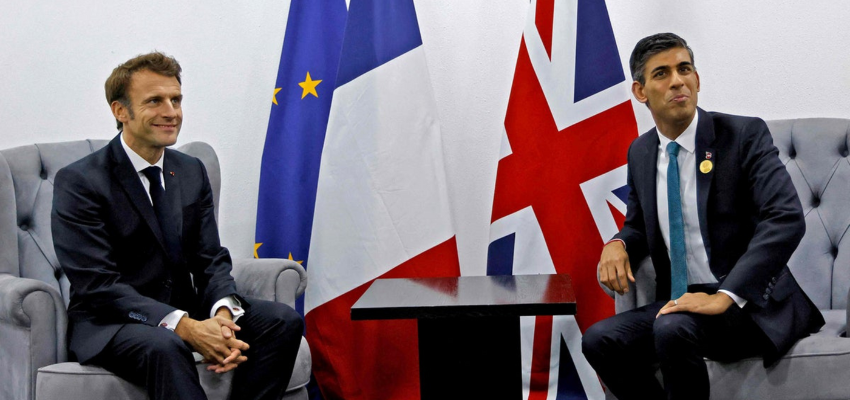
169, 110
676, 80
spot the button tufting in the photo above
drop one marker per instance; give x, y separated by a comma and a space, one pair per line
815, 201
835, 252
25, 227
792, 153
43, 174
845, 153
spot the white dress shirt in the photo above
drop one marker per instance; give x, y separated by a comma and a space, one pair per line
696, 255
172, 319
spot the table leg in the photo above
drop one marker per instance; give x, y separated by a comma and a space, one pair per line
470, 358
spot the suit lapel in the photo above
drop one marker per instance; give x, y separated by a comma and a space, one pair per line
705, 157
123, 171
649, 171
172, 190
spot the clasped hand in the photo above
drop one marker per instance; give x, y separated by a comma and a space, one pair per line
215, 339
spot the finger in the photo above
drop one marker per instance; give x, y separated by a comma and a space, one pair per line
670, 304
603, 276
238, 344
629, 271
228, 323
226, 332
234, 353
622, 277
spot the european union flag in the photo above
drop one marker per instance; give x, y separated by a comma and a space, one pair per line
296, 132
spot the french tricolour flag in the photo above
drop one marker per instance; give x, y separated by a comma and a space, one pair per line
382, 207
560, 185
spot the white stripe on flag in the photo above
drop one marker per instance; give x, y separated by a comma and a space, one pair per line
382, 196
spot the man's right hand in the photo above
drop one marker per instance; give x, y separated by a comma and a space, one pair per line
615, 271
206, 338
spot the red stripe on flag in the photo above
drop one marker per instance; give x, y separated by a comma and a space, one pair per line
544, 18
373, 359
541, 358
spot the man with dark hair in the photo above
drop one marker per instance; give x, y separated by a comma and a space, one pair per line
135, 232
715, 209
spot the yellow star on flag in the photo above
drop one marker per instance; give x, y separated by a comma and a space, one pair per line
290, 257
309, 86
256, 246
274, 98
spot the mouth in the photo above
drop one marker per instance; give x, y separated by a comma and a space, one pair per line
680, 98
165, 126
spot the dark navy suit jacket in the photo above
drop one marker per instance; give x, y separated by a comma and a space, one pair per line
750, 218
109, 244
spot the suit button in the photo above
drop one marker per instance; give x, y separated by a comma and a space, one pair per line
773, 279
768, 290
765, 297
167, 283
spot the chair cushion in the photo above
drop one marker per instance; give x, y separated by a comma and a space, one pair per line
808, 371
72, 381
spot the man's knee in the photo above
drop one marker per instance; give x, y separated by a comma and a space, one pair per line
672, 331
595, 341
287, 323
165, 345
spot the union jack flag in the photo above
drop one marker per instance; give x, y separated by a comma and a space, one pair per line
560, 185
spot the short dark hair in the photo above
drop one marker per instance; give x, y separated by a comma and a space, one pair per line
652, 45
119, 81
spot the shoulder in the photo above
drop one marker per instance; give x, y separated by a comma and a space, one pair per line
736, 123
90, 167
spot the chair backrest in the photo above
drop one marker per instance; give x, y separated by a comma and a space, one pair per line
26, 200
815, 152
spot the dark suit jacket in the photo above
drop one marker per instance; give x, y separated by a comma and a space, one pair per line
750, 218
109, 244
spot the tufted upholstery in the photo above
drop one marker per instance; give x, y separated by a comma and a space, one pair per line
815, 152
34, 292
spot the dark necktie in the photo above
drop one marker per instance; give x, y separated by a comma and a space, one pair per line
163, 213
678, 263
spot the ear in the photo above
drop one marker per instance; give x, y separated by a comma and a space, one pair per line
120, 112
697, 75
637, 91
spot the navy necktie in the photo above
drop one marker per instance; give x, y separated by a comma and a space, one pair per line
163, 213
678, 263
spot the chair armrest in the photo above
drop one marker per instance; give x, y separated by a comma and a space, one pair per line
271, 279
33, 322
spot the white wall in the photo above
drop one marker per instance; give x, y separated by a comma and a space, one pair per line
770, 58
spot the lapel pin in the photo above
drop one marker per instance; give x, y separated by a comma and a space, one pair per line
708, 155
705, 167
172, 173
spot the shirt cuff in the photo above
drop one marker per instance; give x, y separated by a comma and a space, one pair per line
617, 240
172, 319
232, 304
741, 302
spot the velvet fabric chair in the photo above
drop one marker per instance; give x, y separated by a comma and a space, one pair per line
34, 293
815, 153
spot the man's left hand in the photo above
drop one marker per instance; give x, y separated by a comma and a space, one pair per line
699, 303
236, 356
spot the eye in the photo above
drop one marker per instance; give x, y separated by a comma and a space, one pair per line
685, 69
659, 74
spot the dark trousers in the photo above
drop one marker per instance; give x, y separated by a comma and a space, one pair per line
159, 360
626, 349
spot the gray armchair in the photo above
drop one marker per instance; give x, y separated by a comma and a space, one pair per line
815, 153
34, 292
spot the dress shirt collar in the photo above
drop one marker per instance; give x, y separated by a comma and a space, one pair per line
687, 140
138, 162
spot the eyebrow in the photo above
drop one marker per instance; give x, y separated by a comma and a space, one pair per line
662, 67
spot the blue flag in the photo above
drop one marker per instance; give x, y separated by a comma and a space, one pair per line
296, 132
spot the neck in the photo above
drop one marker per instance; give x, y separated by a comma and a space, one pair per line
673, 129
149, 153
